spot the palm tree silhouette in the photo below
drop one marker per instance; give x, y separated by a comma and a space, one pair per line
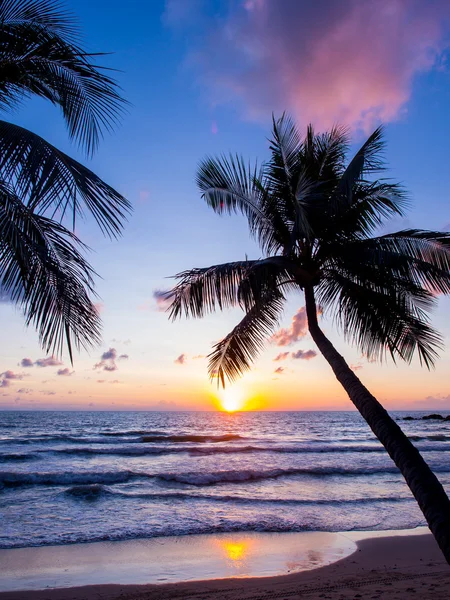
314, 216
42, 267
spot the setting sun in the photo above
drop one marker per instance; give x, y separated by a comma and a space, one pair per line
231, 399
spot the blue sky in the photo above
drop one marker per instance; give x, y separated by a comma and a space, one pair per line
190, 97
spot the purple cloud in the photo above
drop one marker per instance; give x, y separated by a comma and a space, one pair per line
65, 372
11, 375
281, 356
297, 330
108, 361
50, 361
181, 360
26, 362
163, 299
328, 62
304, 354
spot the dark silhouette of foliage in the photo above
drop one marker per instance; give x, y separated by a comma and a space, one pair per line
315, 216
42, 268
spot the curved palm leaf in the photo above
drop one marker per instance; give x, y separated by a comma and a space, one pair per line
242, 283
42, 271
234, 355
47, 179
38, 55
380, 319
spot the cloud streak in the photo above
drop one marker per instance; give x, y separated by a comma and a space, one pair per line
297, 330
350, 62
181, 360
304, 354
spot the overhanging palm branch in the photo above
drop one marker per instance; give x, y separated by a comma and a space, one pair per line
235, 353
46, 179
42, 271
42, 267
39, 55
242, 283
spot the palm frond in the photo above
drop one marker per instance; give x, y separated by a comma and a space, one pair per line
229, 185
382, 320
373, 203
46, 179
38, 55
42, 271
234, 355
50, 14
368, 159
244, 283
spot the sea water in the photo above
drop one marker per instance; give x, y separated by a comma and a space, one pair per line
68, 477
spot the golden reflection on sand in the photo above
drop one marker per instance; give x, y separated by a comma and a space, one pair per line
237, 551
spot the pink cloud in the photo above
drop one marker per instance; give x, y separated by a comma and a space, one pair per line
350, 62
99, 307
65, 372
50, 361
304, 354
108, 361
26, 362
163, 300
11, 375
356, 366
281, 356
297, 330
181, 360
279, 371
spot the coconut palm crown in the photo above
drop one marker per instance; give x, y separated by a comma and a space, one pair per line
42, 264
315, 215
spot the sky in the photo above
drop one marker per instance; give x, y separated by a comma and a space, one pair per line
203, 78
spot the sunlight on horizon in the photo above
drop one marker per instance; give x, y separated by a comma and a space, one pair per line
231, 399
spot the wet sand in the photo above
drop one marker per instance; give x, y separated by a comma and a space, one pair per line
397, 567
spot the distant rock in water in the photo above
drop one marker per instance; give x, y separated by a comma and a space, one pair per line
432, 417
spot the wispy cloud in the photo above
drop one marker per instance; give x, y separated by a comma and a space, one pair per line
304, 354
281, 356
181, 360
107, 361
26, 362
65, 372
50, 361
11, 375
350, 62
279, 370
163, 299
297, 330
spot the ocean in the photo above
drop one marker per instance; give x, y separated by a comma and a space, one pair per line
68, 477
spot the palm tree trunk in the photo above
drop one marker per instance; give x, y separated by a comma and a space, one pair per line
424, 485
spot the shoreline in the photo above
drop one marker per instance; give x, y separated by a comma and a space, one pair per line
385, 561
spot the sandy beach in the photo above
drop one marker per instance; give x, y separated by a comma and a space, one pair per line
396, 567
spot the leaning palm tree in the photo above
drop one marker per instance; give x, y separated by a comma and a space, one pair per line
42, 267
315, 217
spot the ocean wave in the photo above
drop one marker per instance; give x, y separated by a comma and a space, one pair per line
184, 496
438, 437
18, 479
198, 439
236, 476
17, 457
88, 492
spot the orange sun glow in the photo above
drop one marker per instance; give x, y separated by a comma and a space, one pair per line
231, 399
